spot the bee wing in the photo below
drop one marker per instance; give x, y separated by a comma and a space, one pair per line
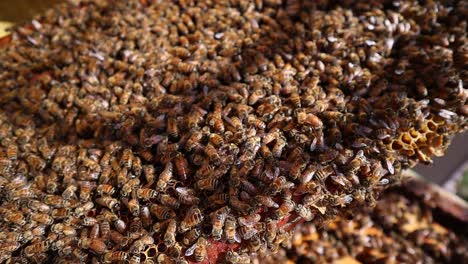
190, 250
237, 238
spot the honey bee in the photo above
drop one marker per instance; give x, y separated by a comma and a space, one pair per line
145, 216
89, 221
236, 258
212, 154
161, 212
148, 170
191, 219
42, 218
15, 217
304, 212
108, 202
266, 201
218, 218
133, 207
85, 190
128, 187
135, 259
84, 209
12, 151
230, 227
116, 256
139, 245
169, 201
249, 220
216, 140
126, 159
169, 236
181, 166
172, 127
198, 250
38, 206
278, 147
36, 248
106, 189
122, 177
165, 177
146, 194
35, 162
285, 208
191, 236
342, 200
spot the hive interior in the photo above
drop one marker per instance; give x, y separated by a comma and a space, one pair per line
230, 120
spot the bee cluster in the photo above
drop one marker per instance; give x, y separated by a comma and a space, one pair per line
400, 229
175, 131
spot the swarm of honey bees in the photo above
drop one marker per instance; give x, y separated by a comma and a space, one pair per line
201, 131
400, 229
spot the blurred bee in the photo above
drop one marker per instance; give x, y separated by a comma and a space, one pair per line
212, 154
85, 190
271, 228
236, 258
175, 250
104, 227
135, 259
172, 127
165, 177
191, 219
342, 200
122, 177
169, 236
191, 236
249, 220
145, 216
15, 217
218, 218
304, 212
42, 218
12, 151
216, 140
278, 147
35, 162
146, 194
89, 221
247, 232
239, 205
198, 250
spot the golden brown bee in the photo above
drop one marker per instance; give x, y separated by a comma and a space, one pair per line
169, 201
236, 258
128, 187
149, 172
36, 248
116, 256
230, 227
12, 151
137, 168
191, 219
35, 162
285, 208
209, 184
198, 250
139, 245
122, 177
181, 166
218, 218
191, 236
212, 154
216, 140
172, 127
145, 216
342, 200
304, 212
38, 206
126, 159
108, 202
239, 205
146, 194
249, 220
135, 259
85, 190
278, 147
266, 201
161, 212
133, 207
104, 227
165, 177
169, 236
247, 232
105, 189
89, 221
216, 122
15, 217
84, 209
